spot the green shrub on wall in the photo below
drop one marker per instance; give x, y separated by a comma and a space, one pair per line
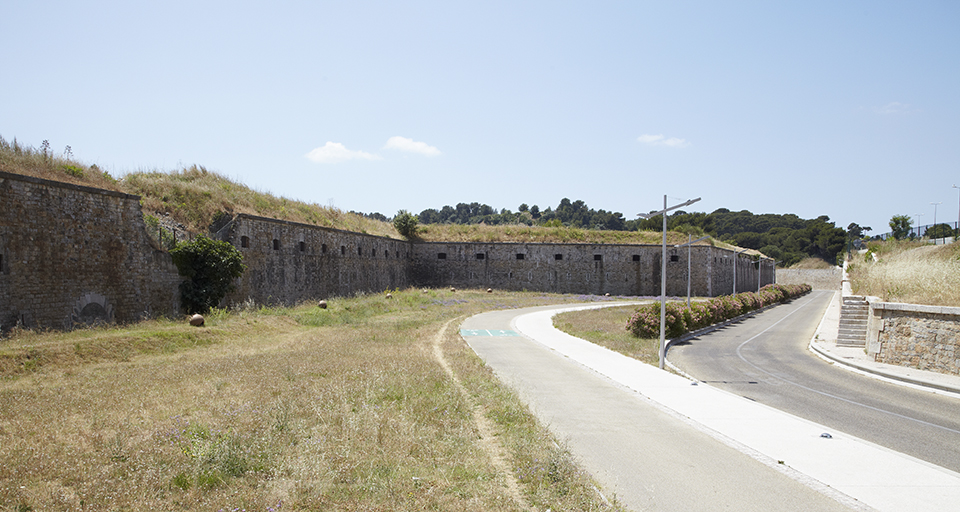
211, 266
406, 224
679, 319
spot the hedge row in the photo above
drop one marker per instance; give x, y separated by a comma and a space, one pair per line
680, 319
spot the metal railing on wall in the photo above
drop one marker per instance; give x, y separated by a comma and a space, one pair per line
168, 237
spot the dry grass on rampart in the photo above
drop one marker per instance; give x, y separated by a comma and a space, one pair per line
541, 234
17, 158
195, 198
346, 408
909, 272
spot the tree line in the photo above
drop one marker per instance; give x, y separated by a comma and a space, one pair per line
786, 238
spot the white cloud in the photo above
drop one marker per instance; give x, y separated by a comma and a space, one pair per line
660, 140
411, 146
894, 107
334, 152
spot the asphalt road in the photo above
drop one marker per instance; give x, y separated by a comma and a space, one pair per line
765, 359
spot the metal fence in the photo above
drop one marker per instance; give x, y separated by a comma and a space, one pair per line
921, 232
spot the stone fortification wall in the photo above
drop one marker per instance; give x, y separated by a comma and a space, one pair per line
75, 255
915, 336
819, 279
289, 262
617, 269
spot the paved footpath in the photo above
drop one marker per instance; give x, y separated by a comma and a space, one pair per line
659, 442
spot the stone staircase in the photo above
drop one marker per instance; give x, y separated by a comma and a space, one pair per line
853, 322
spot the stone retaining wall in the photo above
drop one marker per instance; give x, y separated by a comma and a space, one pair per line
915, 336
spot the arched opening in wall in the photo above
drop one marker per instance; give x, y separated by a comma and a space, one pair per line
244, 241
323, 248
558, 257
597, 257
91, 309
359, 251
481, 256
520, 255
441, 255
343, 250
303, 246
636, 257
386, 254
674, 257
373, 253
276, 244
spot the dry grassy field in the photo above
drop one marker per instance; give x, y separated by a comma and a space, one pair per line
607, 327
911, 272
375, 403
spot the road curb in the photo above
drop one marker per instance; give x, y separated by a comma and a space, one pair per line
815, 347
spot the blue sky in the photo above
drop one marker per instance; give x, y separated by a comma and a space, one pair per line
846, 109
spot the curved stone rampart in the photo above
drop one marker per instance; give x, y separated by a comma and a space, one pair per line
73, 255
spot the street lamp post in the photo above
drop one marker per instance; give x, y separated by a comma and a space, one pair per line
918, 224
689, 245
759, 273
735, 258
663, 267
935, 219
956, 236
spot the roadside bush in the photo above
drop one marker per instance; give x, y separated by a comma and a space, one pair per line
729, 307
645, 323
210, 266
675, 320
701, 315
679, 319
749, 301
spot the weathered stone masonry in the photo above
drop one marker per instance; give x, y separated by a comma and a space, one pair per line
289, 262
75, 255
916, 336
617, 269
71, 255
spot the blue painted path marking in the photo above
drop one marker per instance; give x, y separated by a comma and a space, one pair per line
487, 332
